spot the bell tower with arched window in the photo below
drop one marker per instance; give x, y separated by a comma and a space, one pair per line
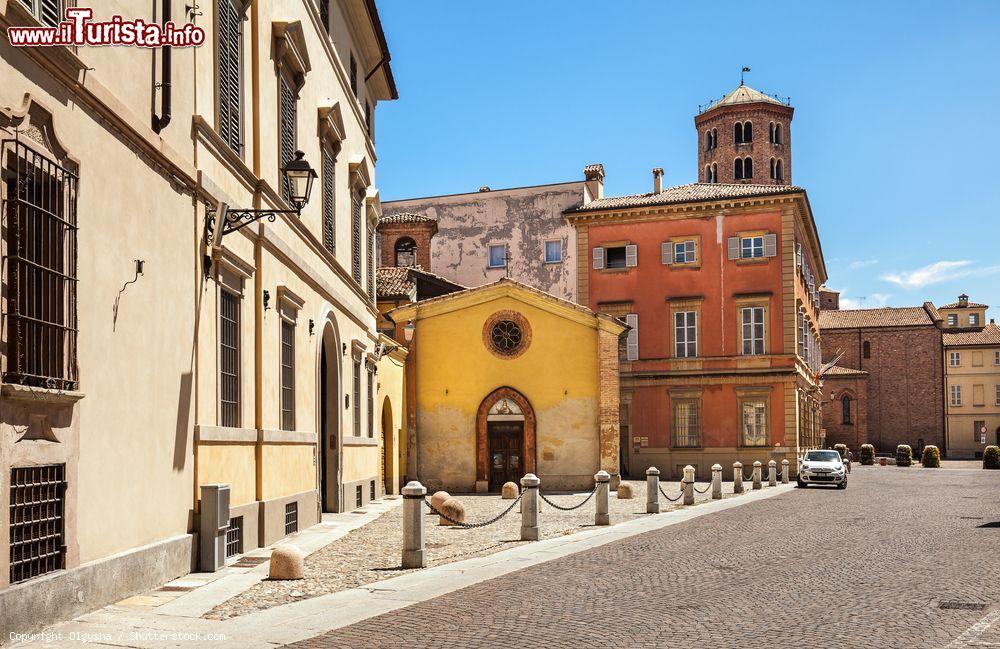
405, 239
745, 137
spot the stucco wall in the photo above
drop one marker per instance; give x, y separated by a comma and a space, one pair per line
392, 406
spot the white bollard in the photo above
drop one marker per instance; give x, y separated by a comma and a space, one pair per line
652, 490
756, 475
413, 525
772, 474
716, 481
689, 485
529, 507
737, 477
602, 517
784, 472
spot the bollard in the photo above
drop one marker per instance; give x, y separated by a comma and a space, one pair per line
601, 517
652, 490
689, 485
784, 472
772, 474
756, 475
529, 507
716, 481
737, 477
413, 525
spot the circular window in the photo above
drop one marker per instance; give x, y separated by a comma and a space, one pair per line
507, 334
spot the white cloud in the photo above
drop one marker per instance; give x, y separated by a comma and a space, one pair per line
940, 271
861, 263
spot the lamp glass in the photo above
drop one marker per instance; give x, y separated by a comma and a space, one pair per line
408, 329
300, 178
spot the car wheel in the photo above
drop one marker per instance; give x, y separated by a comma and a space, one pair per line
800, 484
842, 485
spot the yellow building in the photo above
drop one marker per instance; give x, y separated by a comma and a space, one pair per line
972, 385
510, 380
391, 381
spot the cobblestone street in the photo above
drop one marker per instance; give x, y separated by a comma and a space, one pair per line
897, 560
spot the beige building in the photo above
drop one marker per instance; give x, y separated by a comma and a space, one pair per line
143, 354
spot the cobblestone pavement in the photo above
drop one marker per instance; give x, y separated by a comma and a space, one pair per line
865, 567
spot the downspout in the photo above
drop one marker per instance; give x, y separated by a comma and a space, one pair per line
160, 121
258, 302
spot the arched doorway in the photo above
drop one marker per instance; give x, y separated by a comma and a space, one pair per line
505, 439
389, 443
329, 419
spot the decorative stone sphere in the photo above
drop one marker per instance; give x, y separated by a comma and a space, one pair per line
624, 491
509, 491
286, 563
453, 509
438, 499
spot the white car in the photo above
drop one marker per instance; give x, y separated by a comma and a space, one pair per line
823, 467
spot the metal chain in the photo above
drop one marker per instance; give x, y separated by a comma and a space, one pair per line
746, 479
569, 509
705, 490
673, 500
474, 525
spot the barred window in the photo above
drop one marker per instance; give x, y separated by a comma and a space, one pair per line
229, 359
371, 264
357, 397
37, 506
48, 12
287, 375
371, 403
754, 415
286, 127
356, 237
686, 423
41, 265
329, 201
230, 57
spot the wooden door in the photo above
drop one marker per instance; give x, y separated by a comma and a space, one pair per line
506, 452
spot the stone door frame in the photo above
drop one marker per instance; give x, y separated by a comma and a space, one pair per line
482, 436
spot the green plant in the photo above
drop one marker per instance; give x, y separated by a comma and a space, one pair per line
867, 454
991, 457
931, 457
904, 455
842, 449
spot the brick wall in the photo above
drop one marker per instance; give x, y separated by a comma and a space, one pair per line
760, 149
421, 233
609, 400
855, 433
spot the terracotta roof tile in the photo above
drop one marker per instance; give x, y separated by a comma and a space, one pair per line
970, 305
407, 217
990, 335
837, 370
686, 194
396, 281
908, 316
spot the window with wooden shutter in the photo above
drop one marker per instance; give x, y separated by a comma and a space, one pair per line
356, 237
632, 344
371, 264
598, 256
230, 56
770, 245
329, 201
631, 256
286, 135
371, 403
357, 397
287, 375
734, 247
667, 252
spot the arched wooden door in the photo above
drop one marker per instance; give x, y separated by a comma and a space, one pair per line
505, 439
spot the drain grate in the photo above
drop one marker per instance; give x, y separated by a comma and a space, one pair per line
962, 606
993, 524
249, 562
176, 589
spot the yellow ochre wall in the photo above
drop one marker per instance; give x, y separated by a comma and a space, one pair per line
557, 374
391, 394
232, 464
287, 469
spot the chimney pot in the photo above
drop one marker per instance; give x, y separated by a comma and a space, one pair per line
484, 188
593, 176
657, 180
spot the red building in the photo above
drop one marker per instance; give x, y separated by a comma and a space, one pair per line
719, 284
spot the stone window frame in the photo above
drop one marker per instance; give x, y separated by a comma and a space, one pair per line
289, 305
489, 255
955, 393
760, 301
746, 396
686, 395
545, 252
512, 316
600, 261
332, 134
846, 416
673, 242
231, 274
684, 305
954, 359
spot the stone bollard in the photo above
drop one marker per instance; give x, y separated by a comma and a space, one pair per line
784, 472
689, 485
756, 475
772, 474
652, 490
716, 481
413, 525
737, 477
529, 507
602, 517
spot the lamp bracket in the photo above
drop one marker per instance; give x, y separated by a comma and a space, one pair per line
236, 219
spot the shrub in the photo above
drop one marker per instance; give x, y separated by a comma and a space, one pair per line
867, 454
904, 455
991, 457
931, 457
842, 449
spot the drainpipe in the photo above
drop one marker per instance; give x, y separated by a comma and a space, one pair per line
258, 351
160, 121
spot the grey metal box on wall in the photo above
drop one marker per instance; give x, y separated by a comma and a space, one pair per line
213, 523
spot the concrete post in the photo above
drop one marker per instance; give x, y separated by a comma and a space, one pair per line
413, 525
716, 481
772, 474
737, 477
602, 517
689, 485
652, 490
784, 472
529, 507
756, 475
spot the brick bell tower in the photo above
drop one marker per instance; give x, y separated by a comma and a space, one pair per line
745, 137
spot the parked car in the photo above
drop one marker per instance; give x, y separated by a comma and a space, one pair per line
823, 467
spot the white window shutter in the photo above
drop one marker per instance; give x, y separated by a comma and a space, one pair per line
734, 247
770, 245
631, 255
667, 252
598, 258
632, 342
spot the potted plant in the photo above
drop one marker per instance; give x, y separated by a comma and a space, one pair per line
931, 457
904, 455
867, 454
991, 457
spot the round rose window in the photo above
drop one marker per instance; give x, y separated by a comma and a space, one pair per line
506, 336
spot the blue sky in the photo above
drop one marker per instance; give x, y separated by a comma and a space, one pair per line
895, 136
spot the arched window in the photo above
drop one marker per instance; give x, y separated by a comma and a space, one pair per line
738, 168
708, 173
748, 167
772, 168
845, 410
770, 132
866, 349
747, 132
777, 171
715, 173
708, 140
777, 133
715, 138
406, 252
738, 133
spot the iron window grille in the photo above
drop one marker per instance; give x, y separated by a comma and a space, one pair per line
234, 537
371, 493
371, 264
287, 375
754, 423
37, 526
329, 200
40, 234
687, 423
286, 132
291, 518
358, 496
229, 359
230, 56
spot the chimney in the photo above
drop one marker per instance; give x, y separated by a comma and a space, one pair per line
484, 188
829, 300
963, 300
593, 187
657, 180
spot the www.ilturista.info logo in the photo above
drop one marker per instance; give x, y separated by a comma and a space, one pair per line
78, 29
